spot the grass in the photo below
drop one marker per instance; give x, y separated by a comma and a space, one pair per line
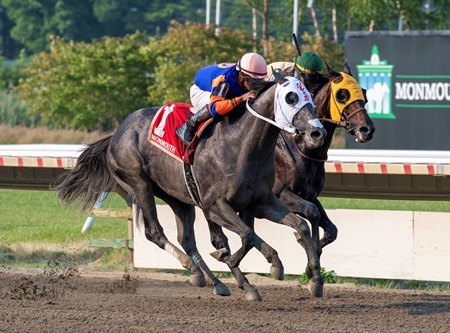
396, 284
371, 204
37, 216
36, 231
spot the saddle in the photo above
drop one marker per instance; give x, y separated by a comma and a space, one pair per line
162, 134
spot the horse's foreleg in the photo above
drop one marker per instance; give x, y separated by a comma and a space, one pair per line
220, 241
275, 211
308, 210
222, 214
330, 230
271, 255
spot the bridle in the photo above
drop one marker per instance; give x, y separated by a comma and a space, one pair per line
349, 91
344, 122
341, 113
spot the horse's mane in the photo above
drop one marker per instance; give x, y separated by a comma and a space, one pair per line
259, 86
315, 81
322, 96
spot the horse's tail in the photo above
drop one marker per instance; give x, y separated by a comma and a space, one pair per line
88, 179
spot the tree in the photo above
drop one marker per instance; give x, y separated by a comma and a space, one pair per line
159, 14
9, 47
75, 20
184, 50
119, 17
261, 8
88, 86
32, 22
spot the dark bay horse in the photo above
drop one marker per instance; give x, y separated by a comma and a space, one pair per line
234, 167
300, 170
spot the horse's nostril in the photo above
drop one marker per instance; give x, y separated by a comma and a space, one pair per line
316, 135
364, 130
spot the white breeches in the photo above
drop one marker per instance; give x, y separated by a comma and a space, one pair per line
199, 98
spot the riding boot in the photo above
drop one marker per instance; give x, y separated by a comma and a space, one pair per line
187, 130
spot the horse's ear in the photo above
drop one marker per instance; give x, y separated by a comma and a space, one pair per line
347, 69
279, 77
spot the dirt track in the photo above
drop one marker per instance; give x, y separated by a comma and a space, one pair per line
161, 302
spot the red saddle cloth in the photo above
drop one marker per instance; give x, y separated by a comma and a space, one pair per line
162, 132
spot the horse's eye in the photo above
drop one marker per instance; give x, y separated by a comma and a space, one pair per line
342, 95
291, 98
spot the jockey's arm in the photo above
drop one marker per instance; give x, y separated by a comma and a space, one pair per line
221, 106
218, 105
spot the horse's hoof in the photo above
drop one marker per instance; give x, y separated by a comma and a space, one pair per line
315, 289
253, 296
220, 254
197, 280
277, 272
221, 290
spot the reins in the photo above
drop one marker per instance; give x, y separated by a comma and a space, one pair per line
344, 123
320, 160
292, 130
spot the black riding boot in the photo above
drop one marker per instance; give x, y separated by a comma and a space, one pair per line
187, 131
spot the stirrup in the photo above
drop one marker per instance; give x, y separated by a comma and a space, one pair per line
185, 134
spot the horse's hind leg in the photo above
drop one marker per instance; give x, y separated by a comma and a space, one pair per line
220, 241
142, 189
185, 218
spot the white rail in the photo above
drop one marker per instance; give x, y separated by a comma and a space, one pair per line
378, 174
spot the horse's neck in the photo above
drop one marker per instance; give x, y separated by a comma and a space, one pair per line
252, 138
255, 137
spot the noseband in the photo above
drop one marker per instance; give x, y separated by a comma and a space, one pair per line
344, 122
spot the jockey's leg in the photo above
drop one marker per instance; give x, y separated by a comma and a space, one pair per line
187, 130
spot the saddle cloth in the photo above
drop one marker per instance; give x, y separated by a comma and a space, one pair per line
162, 131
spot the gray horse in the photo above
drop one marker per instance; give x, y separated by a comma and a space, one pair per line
300, 170
234, 167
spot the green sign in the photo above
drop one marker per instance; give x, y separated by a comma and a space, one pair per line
375, 76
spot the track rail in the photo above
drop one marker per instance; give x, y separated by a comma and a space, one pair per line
377, 174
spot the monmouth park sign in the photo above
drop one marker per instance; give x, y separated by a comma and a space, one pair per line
407, 78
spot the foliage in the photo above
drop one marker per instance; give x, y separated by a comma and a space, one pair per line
14, 111
88, 86
29, 23
10, 71
327, 276
184, 50
331, 52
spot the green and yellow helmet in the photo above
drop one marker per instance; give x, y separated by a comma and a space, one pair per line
309, 62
